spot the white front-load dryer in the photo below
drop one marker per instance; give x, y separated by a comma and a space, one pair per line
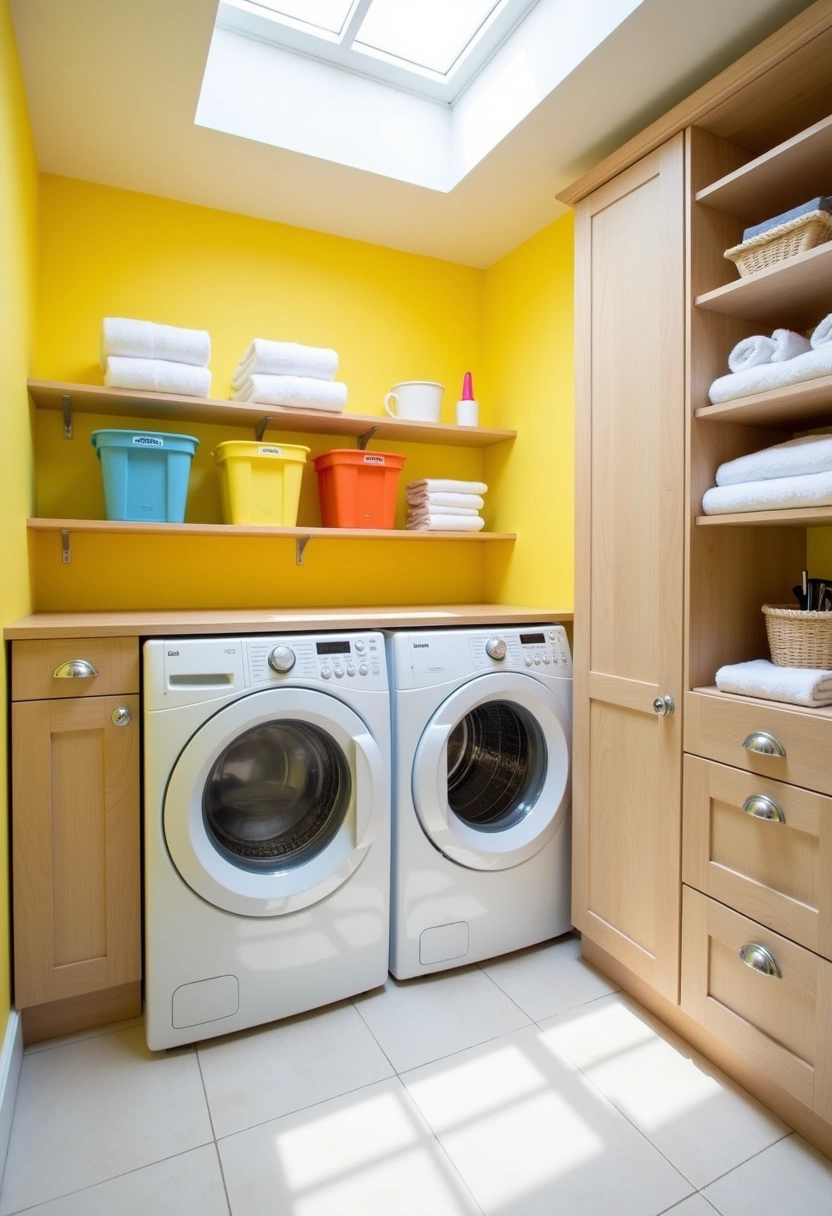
482, 730
267, 835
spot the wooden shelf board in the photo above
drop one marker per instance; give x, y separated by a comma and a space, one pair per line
713, 691
796, 292
93, 399
797, 517
183, 622
790, 174
807, 401
130, 527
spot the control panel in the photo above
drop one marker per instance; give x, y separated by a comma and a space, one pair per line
329, 659
543, 649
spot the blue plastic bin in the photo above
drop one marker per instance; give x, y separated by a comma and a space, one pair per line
145, 474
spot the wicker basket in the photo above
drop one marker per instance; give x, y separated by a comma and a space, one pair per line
776, 244
799, 639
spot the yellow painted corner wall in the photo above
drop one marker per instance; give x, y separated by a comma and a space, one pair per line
391, 316
529, 372
18, 215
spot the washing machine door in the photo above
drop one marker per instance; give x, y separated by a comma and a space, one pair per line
491, 772
274, 802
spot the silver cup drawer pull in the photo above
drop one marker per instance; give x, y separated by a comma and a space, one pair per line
75, 669
760, 806
764, 744
760, 958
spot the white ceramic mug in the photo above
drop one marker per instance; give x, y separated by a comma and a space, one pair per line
418, 400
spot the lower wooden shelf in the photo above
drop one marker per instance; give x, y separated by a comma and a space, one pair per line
147, 529
796, 517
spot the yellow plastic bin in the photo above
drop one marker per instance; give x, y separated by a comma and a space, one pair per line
260, 482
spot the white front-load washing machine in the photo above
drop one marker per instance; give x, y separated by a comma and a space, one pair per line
267, 835
482, 728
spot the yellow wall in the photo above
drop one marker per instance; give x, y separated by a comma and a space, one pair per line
529, 341
392, 316
18, 213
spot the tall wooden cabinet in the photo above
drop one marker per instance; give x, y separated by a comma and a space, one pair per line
629, 558
703, 838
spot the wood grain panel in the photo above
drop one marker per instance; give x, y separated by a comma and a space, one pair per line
75, 832
116, 662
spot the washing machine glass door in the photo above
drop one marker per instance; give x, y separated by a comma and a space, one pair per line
274, 802
491, 772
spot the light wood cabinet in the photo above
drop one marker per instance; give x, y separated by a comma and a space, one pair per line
629, 564
75, 844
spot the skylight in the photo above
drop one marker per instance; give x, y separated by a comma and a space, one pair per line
431, 47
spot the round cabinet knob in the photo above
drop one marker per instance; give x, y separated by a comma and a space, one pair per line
664, 706
121, 716
282, 659
496, 648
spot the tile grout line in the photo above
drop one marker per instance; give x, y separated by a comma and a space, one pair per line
759, 1152
81, 1037
298, 1110
213, 1129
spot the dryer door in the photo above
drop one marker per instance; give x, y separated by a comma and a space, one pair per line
274, 802
491, 772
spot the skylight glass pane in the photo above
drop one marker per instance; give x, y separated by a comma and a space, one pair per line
430, 34
325, 14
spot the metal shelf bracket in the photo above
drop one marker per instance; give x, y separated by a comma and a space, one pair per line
260, 429
300, 545
66, 405
66, 552
364, 439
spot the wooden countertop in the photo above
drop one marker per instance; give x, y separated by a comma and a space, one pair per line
280, 620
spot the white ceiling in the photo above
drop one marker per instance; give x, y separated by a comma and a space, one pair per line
113, 87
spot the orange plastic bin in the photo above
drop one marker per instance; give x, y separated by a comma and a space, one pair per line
358, 489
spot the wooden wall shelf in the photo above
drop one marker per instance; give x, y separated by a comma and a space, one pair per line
787, 407
796, 292
798, 517
93, 399
794, 171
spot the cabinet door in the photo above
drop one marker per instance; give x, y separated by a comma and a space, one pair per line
630, 455
75, 824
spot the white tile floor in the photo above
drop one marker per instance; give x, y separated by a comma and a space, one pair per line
525, 1087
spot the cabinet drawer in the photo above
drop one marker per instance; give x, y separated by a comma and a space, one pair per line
776, 870
718, 727
113, 664
783, 1026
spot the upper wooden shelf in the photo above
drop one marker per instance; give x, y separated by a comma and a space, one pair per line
796, 293
136, 527
787, 407
796, 517
790, 174
93, 399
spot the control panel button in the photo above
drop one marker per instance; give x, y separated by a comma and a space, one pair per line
359, 646
282, 659
350, 669
546, 658
339, 673
555, 659
496, 648
528, 661
326, 674
552, 635
537, 660
363, 670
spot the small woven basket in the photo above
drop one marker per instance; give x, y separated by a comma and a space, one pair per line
799, 639
776, 244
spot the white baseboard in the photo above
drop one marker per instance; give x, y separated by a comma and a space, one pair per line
11, 1058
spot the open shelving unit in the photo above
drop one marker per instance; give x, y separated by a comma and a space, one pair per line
806, 402
796, 292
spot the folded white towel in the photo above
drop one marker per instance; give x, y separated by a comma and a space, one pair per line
157, 376
759, 678
265, 357
823, 333
816, 362
796, 458
415, 509
469, 502
121, 336
788, 345
778, 493
751, 352
446, 523
298, 392
439, 485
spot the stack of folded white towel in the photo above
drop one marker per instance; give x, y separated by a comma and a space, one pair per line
759, 363
291, 375
793, 474
437, 505
155, 358
759, 678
